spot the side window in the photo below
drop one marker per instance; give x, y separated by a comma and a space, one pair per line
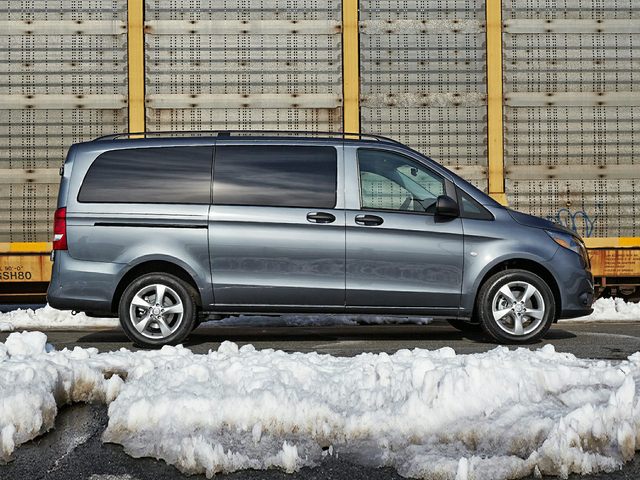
149, 175
275, 176
470, 208
389, 181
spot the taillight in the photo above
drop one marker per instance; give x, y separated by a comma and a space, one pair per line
60, 229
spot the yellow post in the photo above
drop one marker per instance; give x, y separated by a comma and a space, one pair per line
495, 138
135, 40
350, 66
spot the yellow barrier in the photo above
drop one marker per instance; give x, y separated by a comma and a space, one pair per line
24, 262
612, 242
25, 247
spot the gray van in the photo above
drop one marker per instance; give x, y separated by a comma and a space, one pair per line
164, 230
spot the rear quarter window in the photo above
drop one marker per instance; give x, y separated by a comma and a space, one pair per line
149, 175
275, 176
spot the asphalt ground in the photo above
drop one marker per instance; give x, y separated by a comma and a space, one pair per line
74, 450
606, 340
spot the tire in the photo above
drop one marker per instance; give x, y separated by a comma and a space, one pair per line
506, 304
148, 324
466, 327
629, 294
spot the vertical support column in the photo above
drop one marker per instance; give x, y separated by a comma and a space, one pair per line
350, 66
495, 136
135, 42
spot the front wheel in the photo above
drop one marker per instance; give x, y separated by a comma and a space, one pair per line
158, 309
516, 306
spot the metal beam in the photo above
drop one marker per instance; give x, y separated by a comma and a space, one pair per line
237, 27
612, 242
21, 176
61, 101
25, 247
572, 99
572, 25
495, 139
238, 100
135, 38
350, 66
568, 172
61, 27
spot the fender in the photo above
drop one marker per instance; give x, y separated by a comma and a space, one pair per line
471, 286
204, 284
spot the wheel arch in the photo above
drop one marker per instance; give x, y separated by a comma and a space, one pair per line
154, 266
520, 264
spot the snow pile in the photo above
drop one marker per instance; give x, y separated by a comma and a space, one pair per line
34, 379
497, 415
615, 309
429, 414
48, 318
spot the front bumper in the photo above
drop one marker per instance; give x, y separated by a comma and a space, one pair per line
575, 283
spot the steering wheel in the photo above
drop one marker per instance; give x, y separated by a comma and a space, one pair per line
406, 203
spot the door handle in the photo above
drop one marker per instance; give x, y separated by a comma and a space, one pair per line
369, 220
320, 217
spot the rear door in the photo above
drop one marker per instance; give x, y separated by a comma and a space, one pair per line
276, 226
399, 255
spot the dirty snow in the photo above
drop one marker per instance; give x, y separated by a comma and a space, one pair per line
612, 309
496, 415
34, 380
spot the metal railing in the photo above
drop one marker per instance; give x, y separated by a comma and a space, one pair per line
247, 133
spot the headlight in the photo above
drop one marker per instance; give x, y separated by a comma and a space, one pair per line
570, 242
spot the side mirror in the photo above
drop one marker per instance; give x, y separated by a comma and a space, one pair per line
447, 207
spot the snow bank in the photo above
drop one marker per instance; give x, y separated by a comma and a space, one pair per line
430, 414
48, 318
614, 309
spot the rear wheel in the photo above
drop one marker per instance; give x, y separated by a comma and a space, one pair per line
516, 306
158, 309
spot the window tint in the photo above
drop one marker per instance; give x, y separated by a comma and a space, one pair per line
389, 181
470, 208
275, 176
150, 175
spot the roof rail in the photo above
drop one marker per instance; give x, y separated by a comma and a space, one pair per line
248, 133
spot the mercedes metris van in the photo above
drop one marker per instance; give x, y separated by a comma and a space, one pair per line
164, 230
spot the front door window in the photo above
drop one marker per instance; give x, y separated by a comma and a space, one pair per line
389, 181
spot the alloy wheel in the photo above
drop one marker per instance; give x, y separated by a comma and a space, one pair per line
156, 311
518, 308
